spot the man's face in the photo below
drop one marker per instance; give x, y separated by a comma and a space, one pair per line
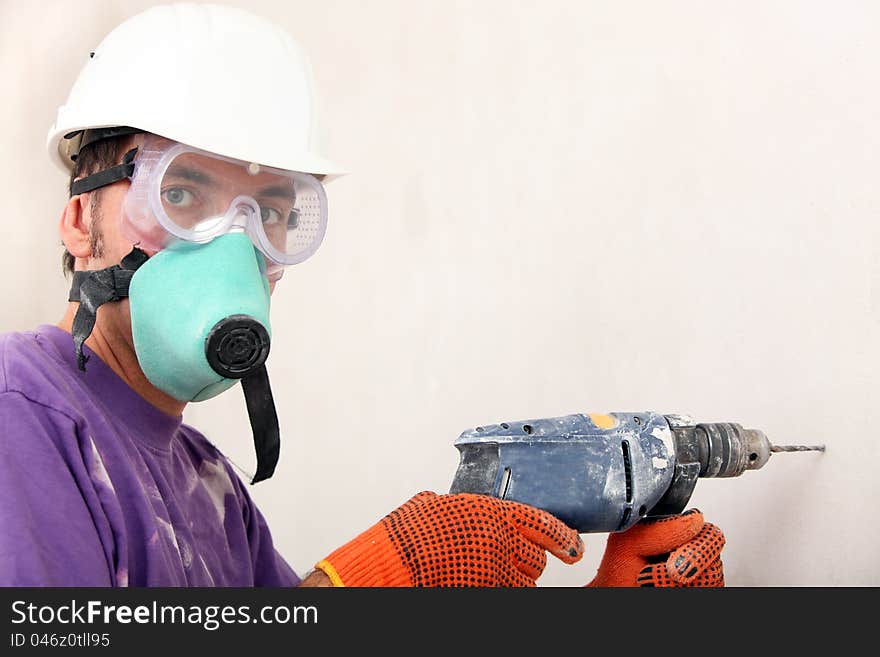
179, 202
104, 220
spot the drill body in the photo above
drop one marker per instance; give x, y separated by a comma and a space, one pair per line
604, 473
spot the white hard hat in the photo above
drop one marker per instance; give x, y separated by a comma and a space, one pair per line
214, 77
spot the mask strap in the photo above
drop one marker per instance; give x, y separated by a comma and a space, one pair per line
93, 289
264, 421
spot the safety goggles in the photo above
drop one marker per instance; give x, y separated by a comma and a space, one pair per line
178, 191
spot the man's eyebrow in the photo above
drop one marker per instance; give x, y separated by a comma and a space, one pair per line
193, 175
282, 191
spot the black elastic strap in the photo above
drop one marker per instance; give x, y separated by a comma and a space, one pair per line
264, 421
93, 289
113, 278
105, 177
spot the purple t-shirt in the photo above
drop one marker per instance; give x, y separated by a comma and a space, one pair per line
98, 487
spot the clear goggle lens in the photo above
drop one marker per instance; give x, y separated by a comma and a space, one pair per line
197, 196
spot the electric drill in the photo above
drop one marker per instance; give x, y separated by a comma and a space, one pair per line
604, 473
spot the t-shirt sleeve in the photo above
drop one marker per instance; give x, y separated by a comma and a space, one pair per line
49, 516
270, 568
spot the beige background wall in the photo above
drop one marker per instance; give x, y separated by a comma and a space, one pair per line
554, 207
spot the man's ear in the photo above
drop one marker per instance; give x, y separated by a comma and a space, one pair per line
74, 229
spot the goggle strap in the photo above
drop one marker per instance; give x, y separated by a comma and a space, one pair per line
107, 176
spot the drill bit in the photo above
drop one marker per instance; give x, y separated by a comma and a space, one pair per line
797, 448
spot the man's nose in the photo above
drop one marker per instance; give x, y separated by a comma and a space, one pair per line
245, 208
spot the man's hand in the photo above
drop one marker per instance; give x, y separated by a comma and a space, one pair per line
454, 540
670, 552
315, 579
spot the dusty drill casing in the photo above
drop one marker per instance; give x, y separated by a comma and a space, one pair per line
604, 473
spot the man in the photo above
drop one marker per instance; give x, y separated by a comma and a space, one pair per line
194, 184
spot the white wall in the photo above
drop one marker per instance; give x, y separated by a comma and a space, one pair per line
554, 207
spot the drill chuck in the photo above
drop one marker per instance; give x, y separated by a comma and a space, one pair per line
726, 449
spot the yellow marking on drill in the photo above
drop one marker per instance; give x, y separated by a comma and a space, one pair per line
603, 421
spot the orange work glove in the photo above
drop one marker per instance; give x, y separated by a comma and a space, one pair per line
677, 551
458, 539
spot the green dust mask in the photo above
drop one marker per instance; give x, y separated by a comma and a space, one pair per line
200, 316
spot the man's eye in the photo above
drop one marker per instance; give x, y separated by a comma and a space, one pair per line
178, 197
270, 216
